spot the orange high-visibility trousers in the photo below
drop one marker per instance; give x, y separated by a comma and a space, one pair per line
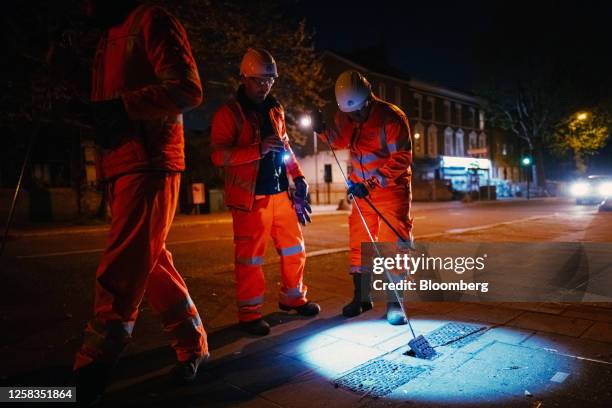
136, 264
393, 203
271, 216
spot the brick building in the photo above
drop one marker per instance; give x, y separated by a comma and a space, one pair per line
453, 149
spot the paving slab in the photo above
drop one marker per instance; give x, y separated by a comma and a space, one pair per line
587, 311
366, 333
543, 307
503, 334
485, 313
417, 308
304, 345
338, 357
311, 391
572, 346
512, 369
508, 376
162, 393
241, 346
262, 372
600, 331
568, 326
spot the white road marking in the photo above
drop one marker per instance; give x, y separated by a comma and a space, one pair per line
97, 250
314, 253
455, 231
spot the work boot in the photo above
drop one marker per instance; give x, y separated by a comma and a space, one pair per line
395, 315
257, 327
362, 301
90, 382
185, 372
307, 309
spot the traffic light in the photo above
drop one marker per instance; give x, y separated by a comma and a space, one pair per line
526, 161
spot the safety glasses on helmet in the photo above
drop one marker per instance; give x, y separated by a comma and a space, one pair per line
267, 82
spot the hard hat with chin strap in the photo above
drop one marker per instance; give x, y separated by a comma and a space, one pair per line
258, 63
352, 91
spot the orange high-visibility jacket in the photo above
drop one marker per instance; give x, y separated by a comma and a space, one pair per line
236, 146
381, 147
147, 62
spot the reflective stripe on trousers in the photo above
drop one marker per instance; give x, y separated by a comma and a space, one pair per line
271, 216
136, 264
394, 203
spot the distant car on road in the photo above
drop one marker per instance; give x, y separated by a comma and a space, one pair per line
606, 205
592, 190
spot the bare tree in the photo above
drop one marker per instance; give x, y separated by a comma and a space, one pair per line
220, 32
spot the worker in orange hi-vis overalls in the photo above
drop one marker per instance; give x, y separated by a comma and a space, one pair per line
378, 136
144, 77
250, 142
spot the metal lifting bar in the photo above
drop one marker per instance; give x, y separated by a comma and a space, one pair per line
365, 225
419, 344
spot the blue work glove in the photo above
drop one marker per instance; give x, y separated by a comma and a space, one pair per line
300, 201
359, 190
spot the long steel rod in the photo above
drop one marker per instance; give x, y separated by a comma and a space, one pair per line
388, 275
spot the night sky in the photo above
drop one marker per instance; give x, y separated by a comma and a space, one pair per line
444, 41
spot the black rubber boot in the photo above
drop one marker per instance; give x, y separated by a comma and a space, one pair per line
362, 301
185, 372
307, 309
257, 327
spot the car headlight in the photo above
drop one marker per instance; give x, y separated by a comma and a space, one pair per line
579, 189
605, 189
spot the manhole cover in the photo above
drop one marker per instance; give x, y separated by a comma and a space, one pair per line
454, 334
378, 378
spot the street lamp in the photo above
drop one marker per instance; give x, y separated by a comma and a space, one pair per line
306, 123
526, 162
582, 116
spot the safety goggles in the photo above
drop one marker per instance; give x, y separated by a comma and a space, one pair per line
267, 82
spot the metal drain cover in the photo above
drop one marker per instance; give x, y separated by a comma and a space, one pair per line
378, 378
454, 334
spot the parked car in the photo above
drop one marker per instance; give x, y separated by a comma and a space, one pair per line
592, 190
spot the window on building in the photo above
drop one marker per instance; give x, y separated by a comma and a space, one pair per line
432, 141
458, 114
382, 91
481, 120
398, 96
473, 117
482, 140
419, 105
472, 140
459, 145
418, 138
448, 142
447, 112
431, 108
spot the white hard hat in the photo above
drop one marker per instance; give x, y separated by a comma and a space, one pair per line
259, 63
352, 91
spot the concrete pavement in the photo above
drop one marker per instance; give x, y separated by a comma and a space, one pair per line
528, 355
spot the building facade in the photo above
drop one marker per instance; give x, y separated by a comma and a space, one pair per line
451, 144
